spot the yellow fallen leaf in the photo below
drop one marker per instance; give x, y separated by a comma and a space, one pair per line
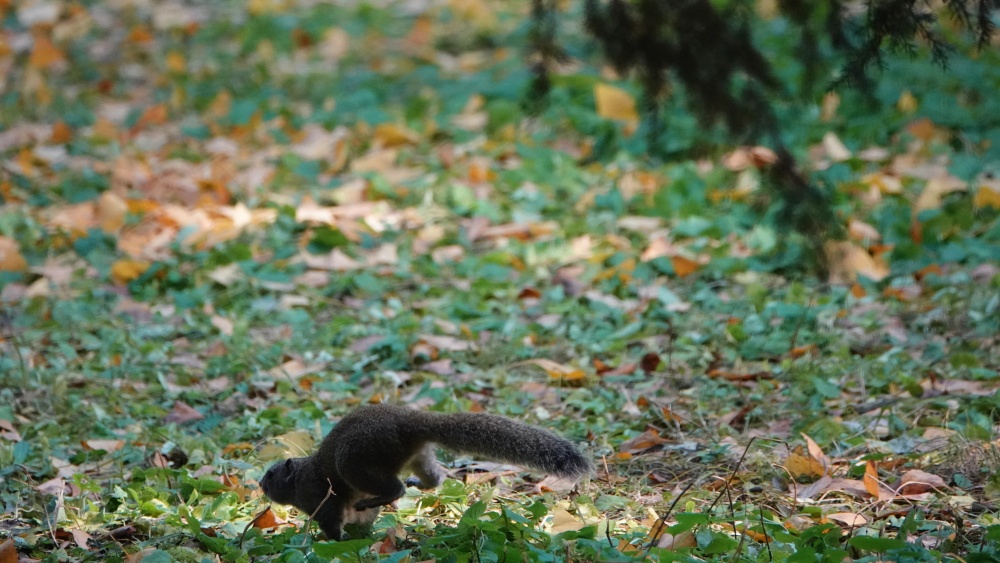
615, 103
11, 259
907, 102
124, 271
988, 194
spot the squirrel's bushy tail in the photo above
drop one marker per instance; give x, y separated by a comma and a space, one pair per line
502, 439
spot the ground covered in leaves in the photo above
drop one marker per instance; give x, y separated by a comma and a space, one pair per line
226, 224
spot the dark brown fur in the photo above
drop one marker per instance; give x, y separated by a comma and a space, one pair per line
362, 457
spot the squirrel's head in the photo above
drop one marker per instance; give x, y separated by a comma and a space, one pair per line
278, 483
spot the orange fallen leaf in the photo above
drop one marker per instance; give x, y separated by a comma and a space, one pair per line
61, 133
870, 479
11, 259
683, 266
267, 520
44, 54
8, 552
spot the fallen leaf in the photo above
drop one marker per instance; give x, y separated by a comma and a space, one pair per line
683, 267
847, 261
988, 194
834, 148
11, 259
44, 54
267, 520
799, 465
124, 271
934, 191
111, 211
182, 413
870, 479
915, 482
106, 445
555, 369
8, 552
642, 442
563, 521
615, 103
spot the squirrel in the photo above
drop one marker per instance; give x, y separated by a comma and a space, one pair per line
361, 458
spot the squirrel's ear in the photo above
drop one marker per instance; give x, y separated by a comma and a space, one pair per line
288, 471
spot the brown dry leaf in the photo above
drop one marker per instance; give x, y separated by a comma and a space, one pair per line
916, 482
847, 261
615, 103
870, 479
336, 261
799, 465
8, 552
182, 413
11, 259
80, 537
106, 445
642, 442
126, 270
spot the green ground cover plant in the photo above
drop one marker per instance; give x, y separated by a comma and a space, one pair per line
225, 225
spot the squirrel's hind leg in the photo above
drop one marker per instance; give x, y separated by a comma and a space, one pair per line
386, 488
